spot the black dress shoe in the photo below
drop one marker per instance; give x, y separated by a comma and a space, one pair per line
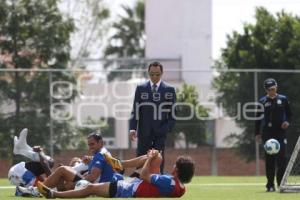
271, 189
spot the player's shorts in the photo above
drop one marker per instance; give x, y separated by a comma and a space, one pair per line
35, 167
122, 189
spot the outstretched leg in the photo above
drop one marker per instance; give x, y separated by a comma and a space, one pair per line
99, 189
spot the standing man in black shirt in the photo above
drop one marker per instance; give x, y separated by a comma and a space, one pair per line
272, 122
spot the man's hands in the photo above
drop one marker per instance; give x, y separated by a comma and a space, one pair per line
87, 159
132, 135
37, 149
152, 153
285, 125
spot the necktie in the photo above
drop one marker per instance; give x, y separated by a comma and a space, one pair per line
154, 88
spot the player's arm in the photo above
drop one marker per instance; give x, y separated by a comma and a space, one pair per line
288, 115
288, 112
146, 169
93, 175
44, 163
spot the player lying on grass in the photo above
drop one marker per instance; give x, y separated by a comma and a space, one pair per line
23, 175
148, 185
26, 174
98, 170
68, 175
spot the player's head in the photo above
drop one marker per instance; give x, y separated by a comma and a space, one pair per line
155, 70
270, 85
184, 169
95, 142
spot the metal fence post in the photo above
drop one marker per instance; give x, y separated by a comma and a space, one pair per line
50, 116
256, 143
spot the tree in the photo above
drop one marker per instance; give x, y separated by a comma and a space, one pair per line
272, 42
193, 128
91, 22
34, 35
128, 40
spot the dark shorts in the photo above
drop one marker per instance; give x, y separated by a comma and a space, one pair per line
113, 186
35, 167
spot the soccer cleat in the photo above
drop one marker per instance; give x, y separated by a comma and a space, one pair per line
18, 193
115, 163
28, 191
44, 190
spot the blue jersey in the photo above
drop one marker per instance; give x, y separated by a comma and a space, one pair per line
107, 172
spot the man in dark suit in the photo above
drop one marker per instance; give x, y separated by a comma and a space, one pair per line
153, 112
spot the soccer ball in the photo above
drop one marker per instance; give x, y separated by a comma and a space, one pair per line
272, 146
81, 184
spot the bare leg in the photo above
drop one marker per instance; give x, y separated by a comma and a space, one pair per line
135, 162
139, 162
99, 189
61, 173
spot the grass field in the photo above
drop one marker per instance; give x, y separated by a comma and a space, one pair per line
206, 188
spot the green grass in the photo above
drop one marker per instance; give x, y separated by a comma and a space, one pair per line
207, 188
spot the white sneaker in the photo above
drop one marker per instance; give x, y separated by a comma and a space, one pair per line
22, 148
29, 191
20, 144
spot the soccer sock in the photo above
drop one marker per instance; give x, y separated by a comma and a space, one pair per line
45, 191
34, 156
115, 163
80, 167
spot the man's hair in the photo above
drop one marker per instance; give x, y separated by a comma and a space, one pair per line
156, 64
96, 136
185, 168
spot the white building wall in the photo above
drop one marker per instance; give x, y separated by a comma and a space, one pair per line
181, 28
223, 128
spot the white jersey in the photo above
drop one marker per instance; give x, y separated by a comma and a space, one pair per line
19, 175
81, 167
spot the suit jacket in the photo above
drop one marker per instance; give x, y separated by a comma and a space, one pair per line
152, 112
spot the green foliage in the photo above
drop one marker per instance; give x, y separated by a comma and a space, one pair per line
34, 35
194, 128
272, 42
128, 41
90, 20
